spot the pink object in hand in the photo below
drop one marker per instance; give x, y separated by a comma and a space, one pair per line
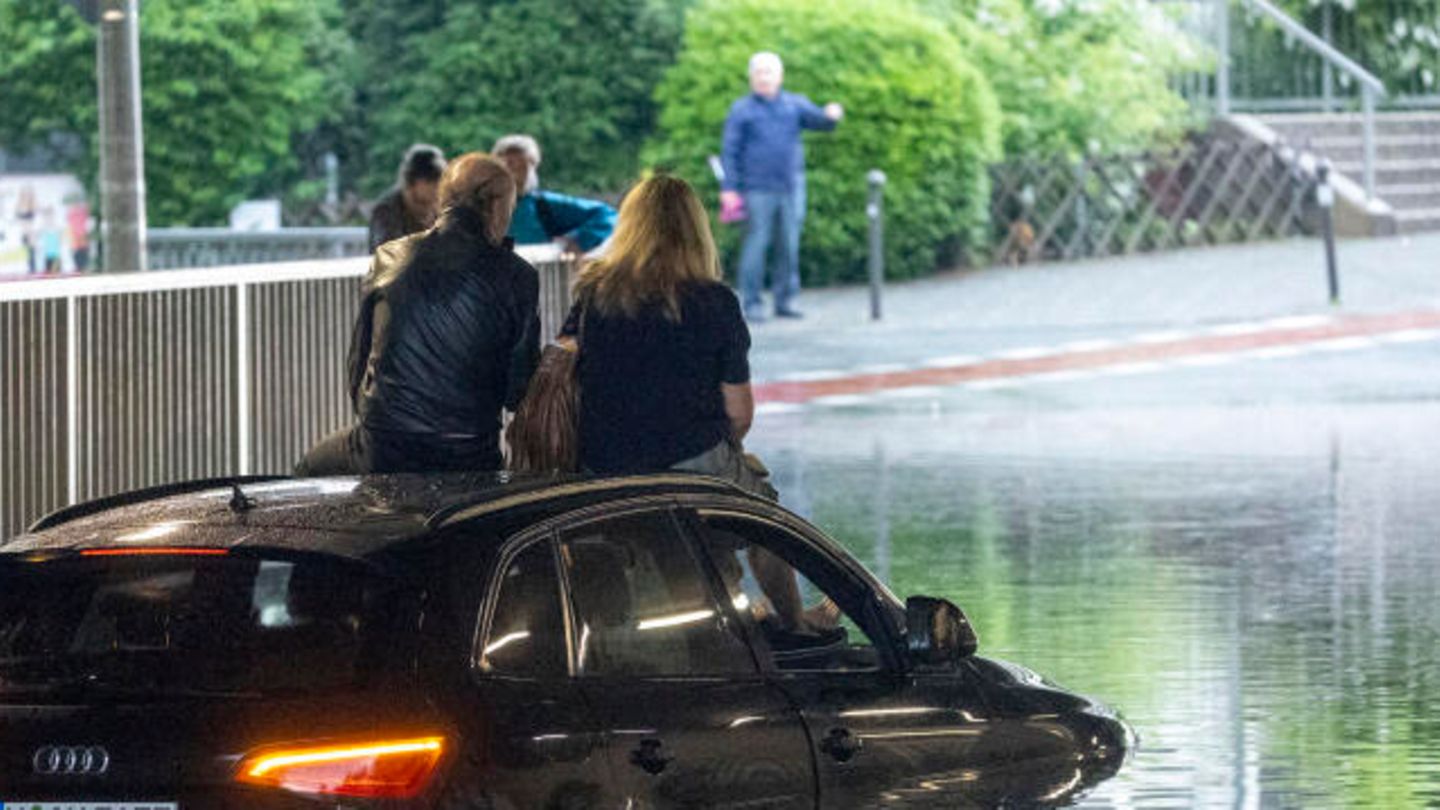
732, 210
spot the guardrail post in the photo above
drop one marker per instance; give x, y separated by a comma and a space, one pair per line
72, 400
875, 212
242, 376
1367, 100
1327, 73
1222, 61
1325, 198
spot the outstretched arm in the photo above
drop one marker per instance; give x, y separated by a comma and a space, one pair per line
813, 117
588, 222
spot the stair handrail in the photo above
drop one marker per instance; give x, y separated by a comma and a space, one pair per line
1371, 87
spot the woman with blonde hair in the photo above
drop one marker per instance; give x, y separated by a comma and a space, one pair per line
448, 335
663, 364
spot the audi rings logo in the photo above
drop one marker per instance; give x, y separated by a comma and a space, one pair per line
71, 760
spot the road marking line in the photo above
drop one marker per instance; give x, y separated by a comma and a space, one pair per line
1170, 336
1226, 343
841, 400
882, 368
815, 376
777, 408
1087, 345
1027, 353
1344, 344
1272, 353
1127, 369
1298, 322
913, 392
953, 361
1234, 329
1410, 336
1061, 376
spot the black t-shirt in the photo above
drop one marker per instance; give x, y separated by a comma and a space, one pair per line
650, 386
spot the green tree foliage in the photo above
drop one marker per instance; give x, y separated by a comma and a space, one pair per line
1398, 41
576, 74
915, 109
228, 86
1076, 75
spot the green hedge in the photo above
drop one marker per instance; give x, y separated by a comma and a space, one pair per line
915, 108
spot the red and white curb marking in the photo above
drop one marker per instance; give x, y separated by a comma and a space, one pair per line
1144, 353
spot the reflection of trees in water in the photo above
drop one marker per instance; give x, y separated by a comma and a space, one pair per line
1268, 622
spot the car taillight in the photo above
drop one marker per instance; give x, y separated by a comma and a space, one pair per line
382, 769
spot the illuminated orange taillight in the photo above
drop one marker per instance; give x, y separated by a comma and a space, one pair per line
384, 769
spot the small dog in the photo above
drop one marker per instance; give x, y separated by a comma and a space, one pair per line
1021, 243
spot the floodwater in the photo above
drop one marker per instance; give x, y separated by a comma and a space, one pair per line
1257, 590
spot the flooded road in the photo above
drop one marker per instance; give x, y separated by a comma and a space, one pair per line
1255, 588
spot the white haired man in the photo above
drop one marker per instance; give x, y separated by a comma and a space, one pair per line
543, 216
764, 162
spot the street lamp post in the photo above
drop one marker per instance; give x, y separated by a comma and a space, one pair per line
122, 159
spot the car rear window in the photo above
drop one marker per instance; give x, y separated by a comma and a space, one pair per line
185, 623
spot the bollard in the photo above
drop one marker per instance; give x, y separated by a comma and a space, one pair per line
875, 212
1325, 198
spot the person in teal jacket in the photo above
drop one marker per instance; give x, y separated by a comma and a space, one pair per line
543, 216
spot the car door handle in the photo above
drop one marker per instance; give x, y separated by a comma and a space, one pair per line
841, 745
647, 757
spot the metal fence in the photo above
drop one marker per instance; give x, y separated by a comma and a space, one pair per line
1213, 189
171, 248
1273, 70
113, 382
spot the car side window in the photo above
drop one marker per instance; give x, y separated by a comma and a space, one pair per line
796, 606
642, 605
526, 637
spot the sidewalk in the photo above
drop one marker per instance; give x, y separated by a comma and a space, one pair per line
990, 311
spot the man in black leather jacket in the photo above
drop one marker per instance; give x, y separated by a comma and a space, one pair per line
447, 336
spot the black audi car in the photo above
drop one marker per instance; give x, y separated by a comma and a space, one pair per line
482, 642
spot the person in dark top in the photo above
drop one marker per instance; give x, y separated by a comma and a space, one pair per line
664, 365
409, 207
447, 336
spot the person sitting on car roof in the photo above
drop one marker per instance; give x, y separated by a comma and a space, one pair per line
448, 336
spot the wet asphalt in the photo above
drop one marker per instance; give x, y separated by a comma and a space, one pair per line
1239, 550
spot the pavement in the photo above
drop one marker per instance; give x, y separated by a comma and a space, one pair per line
1123, 315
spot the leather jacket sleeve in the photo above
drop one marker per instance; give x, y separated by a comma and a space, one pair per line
525, 355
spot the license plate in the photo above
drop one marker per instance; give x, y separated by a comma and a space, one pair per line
6, 804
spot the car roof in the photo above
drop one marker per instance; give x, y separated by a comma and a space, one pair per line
350, 516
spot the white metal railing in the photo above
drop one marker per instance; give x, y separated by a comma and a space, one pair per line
1211, 19
1371, 87
112, 382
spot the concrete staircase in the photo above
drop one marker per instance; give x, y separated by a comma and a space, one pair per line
1407, 150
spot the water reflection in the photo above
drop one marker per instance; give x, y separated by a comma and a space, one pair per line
1255, 589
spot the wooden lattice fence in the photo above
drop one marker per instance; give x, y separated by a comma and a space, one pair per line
1212, 189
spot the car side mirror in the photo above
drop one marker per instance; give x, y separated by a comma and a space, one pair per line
937, 632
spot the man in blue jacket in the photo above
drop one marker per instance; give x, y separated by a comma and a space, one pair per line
764, 163
541, 216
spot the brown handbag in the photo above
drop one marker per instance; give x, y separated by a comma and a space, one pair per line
544, 436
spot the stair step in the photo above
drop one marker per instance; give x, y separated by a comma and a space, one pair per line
1394, 172
1410, 196
1418, 220
1297, 127
1350, 148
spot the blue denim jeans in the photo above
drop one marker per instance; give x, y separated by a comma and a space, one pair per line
773, 216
